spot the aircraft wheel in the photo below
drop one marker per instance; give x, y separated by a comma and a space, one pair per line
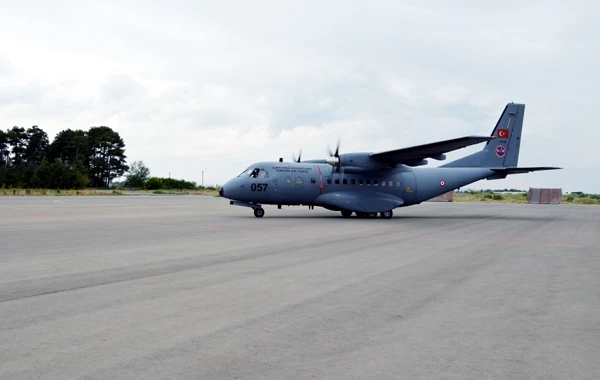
259, 212
387, 214
360, 214
346, 213
372, 215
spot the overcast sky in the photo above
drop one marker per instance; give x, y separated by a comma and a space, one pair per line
213, 86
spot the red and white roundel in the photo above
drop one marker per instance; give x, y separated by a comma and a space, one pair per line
500, 151
442, 183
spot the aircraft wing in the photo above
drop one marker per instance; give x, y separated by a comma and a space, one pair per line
516, 170
434, 150
359, 201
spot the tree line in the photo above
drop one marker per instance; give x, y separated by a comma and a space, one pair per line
74, 159
138, 177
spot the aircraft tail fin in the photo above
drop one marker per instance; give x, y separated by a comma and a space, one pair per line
503, 149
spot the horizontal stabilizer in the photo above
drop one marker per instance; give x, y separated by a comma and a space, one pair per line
523, 170
433, 150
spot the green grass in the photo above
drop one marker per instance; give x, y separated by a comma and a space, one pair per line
489, 197
52, 192
520, 198
97, 192
458, 197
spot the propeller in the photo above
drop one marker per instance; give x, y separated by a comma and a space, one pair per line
334, 160
299, 156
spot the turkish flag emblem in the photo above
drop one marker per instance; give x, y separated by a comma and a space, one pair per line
503, 133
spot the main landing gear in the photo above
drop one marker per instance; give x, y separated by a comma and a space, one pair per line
259, 212
369, 215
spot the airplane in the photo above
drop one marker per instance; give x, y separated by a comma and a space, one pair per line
371, 184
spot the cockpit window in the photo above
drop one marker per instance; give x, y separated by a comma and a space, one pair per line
254, 173
245, 172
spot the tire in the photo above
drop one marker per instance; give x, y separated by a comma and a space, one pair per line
371, 215
259, 212
387, 214
346, 213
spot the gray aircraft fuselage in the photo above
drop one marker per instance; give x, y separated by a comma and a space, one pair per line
371, 183
292, 184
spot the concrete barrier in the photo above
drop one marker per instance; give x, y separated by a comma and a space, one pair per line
544, 196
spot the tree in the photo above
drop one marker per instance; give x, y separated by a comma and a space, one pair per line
74, 159
17, 139
107, 156
137, 175
37, 144
3, 148
70, 145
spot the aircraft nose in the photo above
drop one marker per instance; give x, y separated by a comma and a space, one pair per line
221, 190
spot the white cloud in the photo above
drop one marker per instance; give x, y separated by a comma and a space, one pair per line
215, 86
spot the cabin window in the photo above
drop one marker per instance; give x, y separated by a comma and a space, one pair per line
313, 180
337, 181
288, 180
368, 182
375, 182
263, 174
360, 182
254, 173
353, 182
299, 181
329, 181
398, 183
392, 183
382, 183
345, 181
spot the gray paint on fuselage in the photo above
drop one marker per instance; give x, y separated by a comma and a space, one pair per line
290, 183
374, 183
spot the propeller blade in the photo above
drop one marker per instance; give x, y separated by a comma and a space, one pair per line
299, 156
337, 150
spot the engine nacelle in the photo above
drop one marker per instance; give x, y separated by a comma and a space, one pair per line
359, 162
363, 162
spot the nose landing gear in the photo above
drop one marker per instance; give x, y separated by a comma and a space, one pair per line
259, 212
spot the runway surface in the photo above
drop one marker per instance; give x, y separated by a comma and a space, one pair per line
192, 288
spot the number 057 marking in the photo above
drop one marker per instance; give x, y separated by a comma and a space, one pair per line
259, 186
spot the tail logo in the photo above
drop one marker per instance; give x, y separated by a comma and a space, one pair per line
503, 133
500, 151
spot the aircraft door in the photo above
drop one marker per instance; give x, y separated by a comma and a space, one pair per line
301, 188
409, 187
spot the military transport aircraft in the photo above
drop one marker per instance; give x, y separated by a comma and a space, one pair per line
369, 184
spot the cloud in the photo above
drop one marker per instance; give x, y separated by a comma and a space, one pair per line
195, 86
5, 65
